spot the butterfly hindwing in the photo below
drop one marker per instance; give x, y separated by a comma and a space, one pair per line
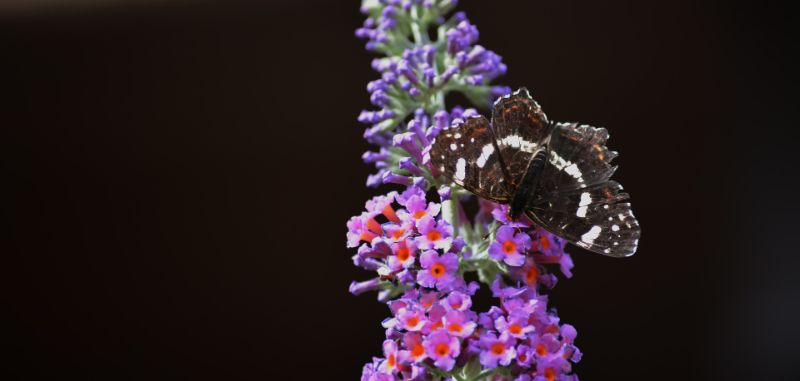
520, 127
575, 197
467, 155
595, 218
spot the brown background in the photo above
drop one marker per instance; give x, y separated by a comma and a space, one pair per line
180, 173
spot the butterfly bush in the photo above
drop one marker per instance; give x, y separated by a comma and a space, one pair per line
428, 255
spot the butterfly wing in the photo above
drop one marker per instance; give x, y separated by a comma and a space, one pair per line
467, 155
519, 126
575, 197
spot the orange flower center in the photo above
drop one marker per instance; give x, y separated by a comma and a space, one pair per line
541, 350
531, 275
437, 325
402, 253
419, 214
454, 327
509, 247
412, 322
544, 242
515, 329
442, 349
417, 351
398, 233
498, 348
391, 360
434, 235
437, 270
549, 374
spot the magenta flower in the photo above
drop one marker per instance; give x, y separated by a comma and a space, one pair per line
433, 234
443, 349
438, 270
496, 350
509, 247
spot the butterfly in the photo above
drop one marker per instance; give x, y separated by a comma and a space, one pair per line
558, 174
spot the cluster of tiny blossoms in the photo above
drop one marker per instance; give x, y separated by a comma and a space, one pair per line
419, 240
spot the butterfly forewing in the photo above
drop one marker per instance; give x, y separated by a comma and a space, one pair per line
577, 158
595, 218
520, 126
468, 156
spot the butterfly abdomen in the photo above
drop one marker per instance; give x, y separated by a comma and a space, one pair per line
526, 188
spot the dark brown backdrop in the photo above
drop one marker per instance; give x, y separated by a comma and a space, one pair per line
180, 173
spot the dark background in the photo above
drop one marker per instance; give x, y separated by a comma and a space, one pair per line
180, 173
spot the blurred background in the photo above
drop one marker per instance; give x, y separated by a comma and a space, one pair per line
180, 174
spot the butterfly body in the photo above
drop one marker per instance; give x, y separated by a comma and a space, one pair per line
558, 174
526, 189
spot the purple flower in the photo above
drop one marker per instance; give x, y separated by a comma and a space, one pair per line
390, 352
458, 324
547, 243
496, 350
357, 288
362, 228
458, 301
415, 351
516, 326
433, 234
411, 319
383, 205
438, 270
417, 209
404, 253
509, 247
443, 349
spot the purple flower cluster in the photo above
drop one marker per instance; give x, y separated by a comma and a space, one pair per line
414, 246
420, 73
420, 244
